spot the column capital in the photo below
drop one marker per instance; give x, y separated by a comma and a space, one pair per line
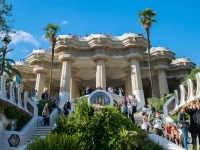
126, 69
161, 67
74, 70
132, 55
78, 79
100, 56
63, 56
39, 69
23, 81
124, 78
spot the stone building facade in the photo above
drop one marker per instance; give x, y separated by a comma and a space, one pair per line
102, 60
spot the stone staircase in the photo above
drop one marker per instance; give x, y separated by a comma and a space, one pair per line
40, 132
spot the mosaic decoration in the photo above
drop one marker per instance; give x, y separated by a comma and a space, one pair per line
14, 140
100, 98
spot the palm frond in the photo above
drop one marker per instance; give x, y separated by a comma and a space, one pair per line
146, 17
51, 30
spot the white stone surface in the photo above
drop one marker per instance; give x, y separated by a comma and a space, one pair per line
63, 96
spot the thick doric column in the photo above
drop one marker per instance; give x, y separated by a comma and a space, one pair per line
100, 74
163, 85
39, 85
100, 59
128, 82
136, 81
72, 83
156, 86
46, 85
162, 79
77, 94
65, 82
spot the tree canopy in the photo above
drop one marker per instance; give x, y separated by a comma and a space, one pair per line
146, 18
51, 30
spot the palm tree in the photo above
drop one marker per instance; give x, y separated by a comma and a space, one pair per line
51, 31
146, 19
8, 65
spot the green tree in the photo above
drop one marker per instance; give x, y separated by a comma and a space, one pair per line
50, 33
146, 19
5, 13
191, 76
9, 65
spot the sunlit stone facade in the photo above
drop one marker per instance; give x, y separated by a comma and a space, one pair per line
102, 60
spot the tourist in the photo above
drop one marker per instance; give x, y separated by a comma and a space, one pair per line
57, 106
152, 108
130, 112
67, 107
175, 135
119, 105
144, 125
124, 109
46, 115
120, 91
145, 110
134, 100
182, 123
87, 90
168, 130
45, 95
194, 127
156, 124
56, 97
124, 101
115, 91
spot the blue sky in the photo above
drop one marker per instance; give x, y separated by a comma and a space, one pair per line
177, 27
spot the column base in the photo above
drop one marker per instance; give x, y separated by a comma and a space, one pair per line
139, 95
63, 96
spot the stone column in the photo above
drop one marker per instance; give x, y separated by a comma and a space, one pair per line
156, 86
77, 94
72, 83
65, 81
136, 82
126, 85
46, 85
100, 74
39, 85
128, 81
163, 85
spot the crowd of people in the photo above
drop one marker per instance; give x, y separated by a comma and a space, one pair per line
128, 107
152, 123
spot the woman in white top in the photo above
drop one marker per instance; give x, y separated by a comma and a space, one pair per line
145, 110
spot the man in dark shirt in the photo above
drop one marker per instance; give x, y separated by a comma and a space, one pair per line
194, 128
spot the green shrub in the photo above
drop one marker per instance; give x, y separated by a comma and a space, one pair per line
54, 142
9, 127
158, 103
22, 122
103, 130
41, 105
11, 113
191, 76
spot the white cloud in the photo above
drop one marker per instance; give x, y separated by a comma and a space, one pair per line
22, 36
42, 38
64, 22
24, 50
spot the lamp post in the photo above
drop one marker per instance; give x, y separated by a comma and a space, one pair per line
5, 41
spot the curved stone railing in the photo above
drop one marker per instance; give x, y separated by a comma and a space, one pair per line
181, 99
165, 144
21, 136
14, 96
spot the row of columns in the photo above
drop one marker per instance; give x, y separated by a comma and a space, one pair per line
133, 82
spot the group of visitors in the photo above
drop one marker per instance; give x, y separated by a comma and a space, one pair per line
112, 90
152, 122
128, 107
